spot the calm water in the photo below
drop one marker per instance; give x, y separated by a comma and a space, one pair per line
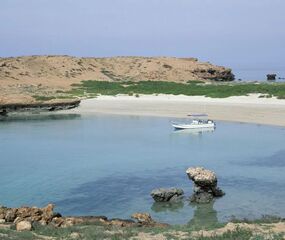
107, 165
258, 74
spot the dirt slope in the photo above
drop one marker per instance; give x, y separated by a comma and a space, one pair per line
25, 76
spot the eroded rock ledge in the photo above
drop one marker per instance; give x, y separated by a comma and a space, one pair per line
25, 217
38, 107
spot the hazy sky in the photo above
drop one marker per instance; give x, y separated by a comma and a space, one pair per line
236, 33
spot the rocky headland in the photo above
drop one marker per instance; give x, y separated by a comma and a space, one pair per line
22, 78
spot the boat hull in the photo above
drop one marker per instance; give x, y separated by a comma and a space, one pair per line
193, 126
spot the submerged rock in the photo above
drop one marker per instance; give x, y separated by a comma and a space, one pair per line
167, 194
205, 185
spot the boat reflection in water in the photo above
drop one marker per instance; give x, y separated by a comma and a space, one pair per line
194, 131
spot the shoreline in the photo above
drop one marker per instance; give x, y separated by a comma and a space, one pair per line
9, 108
244, 109
44, 223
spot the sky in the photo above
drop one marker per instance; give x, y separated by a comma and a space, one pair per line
235, 33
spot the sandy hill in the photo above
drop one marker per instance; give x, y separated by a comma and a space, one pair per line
19, 75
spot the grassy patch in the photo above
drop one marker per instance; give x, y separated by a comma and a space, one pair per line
191, 89
93, 232
264, 219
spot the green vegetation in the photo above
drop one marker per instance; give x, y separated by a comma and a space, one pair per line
93, 232
264, 219
192, 88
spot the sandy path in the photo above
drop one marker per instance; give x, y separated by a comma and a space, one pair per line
249, 109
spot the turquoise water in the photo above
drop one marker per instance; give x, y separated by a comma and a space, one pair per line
107, 165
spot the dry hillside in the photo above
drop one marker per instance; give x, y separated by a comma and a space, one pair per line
21, 77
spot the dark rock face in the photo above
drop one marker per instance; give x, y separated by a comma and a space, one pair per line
205, 185
224, 74
271, 76
47, 107
167, 195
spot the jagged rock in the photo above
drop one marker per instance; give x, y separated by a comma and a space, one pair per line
57, 221
144, 219
205, 185
24, 226
24, 217
167, 195
271, 76
3, 211
47, 212
11, 215
31, 214
202, 177
218, 74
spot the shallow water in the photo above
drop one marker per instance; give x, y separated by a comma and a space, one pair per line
107, 165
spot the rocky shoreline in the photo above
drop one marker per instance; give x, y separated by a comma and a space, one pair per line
6, 109
25, 218
43, 223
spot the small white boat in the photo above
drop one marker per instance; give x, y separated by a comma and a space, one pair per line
195, 123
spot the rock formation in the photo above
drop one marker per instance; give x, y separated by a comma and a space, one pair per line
24, 218
5, 109
22, 78
24, 226
30, 214
205, 185
167, 195
271, 76
213, 74
144, 219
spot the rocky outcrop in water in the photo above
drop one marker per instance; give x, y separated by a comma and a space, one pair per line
205, 185
271, 77
38, 107
167, 194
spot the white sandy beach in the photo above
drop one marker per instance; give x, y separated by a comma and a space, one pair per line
250, 109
